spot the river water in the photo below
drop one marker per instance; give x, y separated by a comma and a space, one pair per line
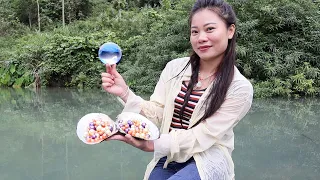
279, 139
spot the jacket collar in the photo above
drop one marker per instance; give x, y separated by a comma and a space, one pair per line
185, 73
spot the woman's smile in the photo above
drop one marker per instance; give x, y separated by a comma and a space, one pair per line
204, 48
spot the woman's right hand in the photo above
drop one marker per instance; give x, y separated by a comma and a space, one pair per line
113, 82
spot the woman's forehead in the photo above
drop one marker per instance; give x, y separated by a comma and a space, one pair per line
205, 17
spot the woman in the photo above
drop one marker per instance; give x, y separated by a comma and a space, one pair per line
196, 103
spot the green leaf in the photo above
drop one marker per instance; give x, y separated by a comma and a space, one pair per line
6, 79
12, 68
19, 82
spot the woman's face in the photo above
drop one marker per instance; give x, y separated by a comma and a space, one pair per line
209, 35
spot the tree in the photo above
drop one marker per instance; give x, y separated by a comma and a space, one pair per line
63, 18
38, 11
26, 11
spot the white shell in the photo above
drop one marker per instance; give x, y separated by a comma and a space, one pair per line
125, 116
83, 125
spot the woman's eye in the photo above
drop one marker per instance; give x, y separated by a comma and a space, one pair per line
194, 32
210, 28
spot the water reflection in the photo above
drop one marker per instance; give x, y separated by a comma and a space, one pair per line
278, 139
39, 139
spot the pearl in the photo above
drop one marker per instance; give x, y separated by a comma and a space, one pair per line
199, 84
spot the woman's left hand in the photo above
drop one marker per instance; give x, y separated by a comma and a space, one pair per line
144, 145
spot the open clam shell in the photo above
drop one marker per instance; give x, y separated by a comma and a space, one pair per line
137, 126
95, 127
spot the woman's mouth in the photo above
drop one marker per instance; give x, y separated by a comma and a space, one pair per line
204, 48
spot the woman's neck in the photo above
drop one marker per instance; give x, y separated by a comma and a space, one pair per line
208, 67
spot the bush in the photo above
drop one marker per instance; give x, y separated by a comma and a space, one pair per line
279, 42
278, 46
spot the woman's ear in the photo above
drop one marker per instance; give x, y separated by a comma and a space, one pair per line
231, 31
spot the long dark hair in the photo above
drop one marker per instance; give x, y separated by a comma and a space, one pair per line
225, 70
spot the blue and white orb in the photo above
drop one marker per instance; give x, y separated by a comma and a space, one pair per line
109, 53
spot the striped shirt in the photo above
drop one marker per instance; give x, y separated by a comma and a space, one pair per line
186, 115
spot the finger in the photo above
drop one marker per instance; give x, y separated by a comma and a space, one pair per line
108, 68
107, 80
131, 140
107, 75
106, 85
104, 74
114, 71
117, 137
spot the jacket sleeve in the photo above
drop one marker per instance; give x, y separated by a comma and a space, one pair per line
180, 145
152, 109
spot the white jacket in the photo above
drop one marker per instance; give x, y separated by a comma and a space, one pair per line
202, 141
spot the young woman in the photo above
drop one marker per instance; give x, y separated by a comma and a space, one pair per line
197, 101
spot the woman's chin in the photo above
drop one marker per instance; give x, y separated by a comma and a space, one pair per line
206, 57
210, 57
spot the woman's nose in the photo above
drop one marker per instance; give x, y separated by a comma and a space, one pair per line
202, 37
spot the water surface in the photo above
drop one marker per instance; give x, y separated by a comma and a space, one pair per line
279, 139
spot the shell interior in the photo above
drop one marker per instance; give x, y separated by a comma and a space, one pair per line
83, 124
126, 116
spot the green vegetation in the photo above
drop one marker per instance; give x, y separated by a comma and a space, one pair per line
278, 42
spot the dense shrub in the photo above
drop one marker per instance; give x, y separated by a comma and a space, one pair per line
278, 46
